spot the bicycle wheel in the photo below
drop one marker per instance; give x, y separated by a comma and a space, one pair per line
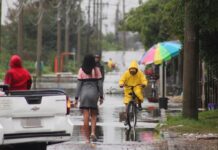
131, 114
130, 134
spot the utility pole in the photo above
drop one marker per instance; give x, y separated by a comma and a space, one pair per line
99, 19
79, 34
95, 20
140, 2
20, 28
124, 37
88, 32
94, 13
39, 40
97, 25
0, 26
117, 22
100, 26
59, 34
124, 33
67, 24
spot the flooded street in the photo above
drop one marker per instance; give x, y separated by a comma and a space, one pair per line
111, 132
110, 125
113, 135
110, 128
163, 52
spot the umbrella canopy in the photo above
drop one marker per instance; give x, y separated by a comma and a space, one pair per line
160, 52
142, 58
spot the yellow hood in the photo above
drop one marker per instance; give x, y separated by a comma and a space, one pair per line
132, 80
133, 64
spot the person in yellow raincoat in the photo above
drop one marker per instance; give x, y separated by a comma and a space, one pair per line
110, 64
132, 77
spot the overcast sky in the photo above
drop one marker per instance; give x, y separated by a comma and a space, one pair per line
108, 11
5, 4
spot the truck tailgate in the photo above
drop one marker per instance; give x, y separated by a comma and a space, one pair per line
32, 106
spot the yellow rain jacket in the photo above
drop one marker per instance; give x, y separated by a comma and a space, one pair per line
110, 64
133, 80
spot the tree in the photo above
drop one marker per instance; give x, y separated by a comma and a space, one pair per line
190, 107
30, 12
0, 26
208, 34
156, 22
201, 29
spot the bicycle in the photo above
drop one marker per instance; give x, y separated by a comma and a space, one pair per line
132, 108
130, 134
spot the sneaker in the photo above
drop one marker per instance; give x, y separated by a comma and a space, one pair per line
93, 138
140, 107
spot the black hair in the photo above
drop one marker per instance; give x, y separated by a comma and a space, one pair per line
88, 64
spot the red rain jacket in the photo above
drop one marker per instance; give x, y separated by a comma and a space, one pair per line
17, 77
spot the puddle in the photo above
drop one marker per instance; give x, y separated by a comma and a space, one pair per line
110, 128
108, 134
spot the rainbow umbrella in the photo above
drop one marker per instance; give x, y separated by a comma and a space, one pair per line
142, 58
160, 52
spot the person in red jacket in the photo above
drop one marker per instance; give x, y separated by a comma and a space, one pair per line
17, 77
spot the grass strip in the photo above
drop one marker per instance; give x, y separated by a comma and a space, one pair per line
207, 123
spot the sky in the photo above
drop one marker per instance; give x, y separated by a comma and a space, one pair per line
5, 5
108, 11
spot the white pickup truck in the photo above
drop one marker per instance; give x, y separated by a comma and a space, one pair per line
35, 118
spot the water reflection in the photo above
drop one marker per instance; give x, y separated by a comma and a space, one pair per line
109, 128
131, 134
149, 135
118, 135
145, 135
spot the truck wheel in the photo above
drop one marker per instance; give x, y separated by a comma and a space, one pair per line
31, 146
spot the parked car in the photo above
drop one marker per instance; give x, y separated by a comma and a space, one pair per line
34, 117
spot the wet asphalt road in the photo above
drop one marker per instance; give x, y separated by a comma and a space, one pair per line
111, 131
110, 126
113, 135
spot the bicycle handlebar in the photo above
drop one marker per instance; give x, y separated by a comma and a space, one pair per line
132, 86
128, 86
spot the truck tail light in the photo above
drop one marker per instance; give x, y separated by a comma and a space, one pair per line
68, 105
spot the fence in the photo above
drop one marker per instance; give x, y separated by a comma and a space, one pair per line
58, 80
211, 90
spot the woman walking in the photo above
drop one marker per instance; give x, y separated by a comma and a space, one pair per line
89, 91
